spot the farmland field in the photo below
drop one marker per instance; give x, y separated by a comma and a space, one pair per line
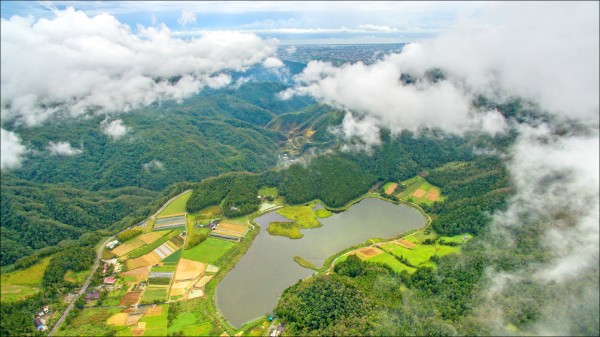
192, 320
389, 188
420, 191
173, 258
156, 325
21, 284
90, 322
176, 206
391, 261
231, 229
208, 251
417, 256
153, 294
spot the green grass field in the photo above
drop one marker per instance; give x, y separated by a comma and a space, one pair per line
192, 320
414, 184
20, 284
391, 261
208, 251
418, 256
153, 294
288, 229
90, 322
265, 191
76, 277
445, 250
173, 258
167, 267
457, 238
176, 206
156, 325
323, 213
304, 216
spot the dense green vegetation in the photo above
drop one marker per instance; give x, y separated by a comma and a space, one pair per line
290, 230
474, 189
73, 258
129, 234
332, 179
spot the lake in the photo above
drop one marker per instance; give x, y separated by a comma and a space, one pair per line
252, 287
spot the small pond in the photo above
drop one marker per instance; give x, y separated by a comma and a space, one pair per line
252, 287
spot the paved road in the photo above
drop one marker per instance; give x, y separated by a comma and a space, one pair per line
83, 288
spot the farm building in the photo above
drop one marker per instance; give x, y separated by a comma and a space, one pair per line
91, 296
112, 244
278, 330
110, 280
39, 324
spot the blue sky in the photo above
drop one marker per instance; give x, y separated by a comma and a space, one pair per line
290, 22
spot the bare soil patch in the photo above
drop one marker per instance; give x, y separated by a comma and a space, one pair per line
195, 293
139, 273
133, 319
405, 243
154, 311
391, 188
419, 193
118, 319
178, 288
189, 270
231, 229
148, 238
139, 329
368, 252
127, 247
203, 281
433, 195
131, 298
144, 260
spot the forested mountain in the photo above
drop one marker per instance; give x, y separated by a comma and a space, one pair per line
56, 197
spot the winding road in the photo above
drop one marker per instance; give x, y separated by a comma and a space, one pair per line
83, 288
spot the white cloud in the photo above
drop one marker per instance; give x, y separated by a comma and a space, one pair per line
13, 152
291, 50
187, 17
516, 51
76, 65
153, 165
375, 28
115, 129
62, 149
272, 62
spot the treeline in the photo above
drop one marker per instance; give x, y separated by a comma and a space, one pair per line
363, 298
75, 258
333, 179
474, 190
34, 216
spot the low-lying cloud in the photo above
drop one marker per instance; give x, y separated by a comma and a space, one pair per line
153, 165
516, 50
62, 149
115, 129
13, 151
76, 65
